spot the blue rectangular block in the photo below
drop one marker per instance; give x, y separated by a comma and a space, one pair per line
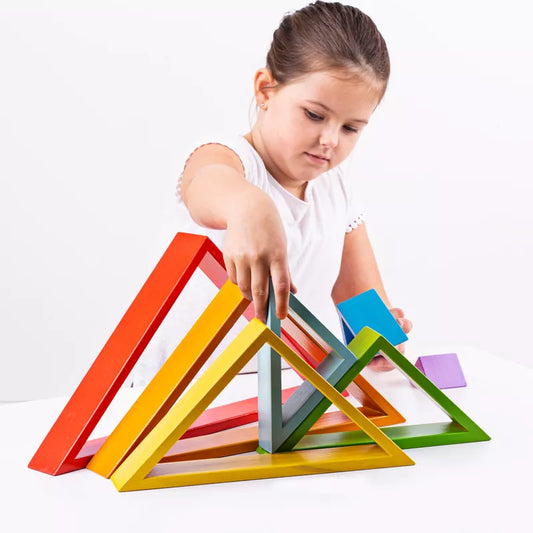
368, 309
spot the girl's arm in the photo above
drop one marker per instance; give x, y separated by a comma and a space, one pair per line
358, 273
218, 196
359, 269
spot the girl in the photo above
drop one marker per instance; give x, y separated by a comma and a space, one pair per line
279, 199
280, 196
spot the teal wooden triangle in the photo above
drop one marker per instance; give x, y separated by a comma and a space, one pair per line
281, 427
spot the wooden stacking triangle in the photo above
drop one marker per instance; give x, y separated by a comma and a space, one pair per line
141, 470
313, 349
176, 374
61, 450
460, 429
282, 425
66, 448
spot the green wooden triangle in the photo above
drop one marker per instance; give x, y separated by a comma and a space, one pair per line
460, 429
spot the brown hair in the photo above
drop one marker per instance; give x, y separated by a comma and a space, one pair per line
328, 35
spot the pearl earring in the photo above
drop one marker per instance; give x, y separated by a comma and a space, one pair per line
263, 104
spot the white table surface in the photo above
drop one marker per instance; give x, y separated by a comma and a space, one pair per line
485, 486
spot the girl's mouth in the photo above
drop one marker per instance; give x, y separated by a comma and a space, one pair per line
320, 160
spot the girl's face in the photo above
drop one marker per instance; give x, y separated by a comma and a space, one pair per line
311, 125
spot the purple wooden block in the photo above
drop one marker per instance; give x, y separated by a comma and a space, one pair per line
443, 370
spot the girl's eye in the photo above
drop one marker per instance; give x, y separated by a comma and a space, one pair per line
312, 116
351, 129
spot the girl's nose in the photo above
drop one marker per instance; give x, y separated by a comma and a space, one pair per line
329, 137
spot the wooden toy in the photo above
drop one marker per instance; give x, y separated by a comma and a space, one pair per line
460, 429
216, 433
232, 439
245, 439
313, 349
444, 370
66, 448
63, 444
170, 438
368, 309
235, 440
176, 374
281, 426
216, 424
141, 470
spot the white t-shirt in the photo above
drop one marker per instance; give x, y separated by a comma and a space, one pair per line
315, 229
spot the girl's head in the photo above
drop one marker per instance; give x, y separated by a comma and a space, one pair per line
326, 71
329, 36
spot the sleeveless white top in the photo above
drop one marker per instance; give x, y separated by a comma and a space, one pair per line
315, 229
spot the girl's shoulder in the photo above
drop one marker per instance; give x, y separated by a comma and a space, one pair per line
215, 150
233, 150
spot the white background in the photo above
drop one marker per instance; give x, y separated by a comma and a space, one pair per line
100, 103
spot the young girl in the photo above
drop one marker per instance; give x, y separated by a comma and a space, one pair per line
279, 199
280, 194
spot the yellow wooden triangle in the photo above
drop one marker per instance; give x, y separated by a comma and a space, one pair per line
142, 470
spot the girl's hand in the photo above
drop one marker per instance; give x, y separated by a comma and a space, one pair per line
381, 363
255, 248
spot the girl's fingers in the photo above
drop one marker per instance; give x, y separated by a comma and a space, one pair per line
253, 283
231, 270
397, 312
381, 364
399, 315
405, 324
259, 290
243, 280
293, 288
281, 281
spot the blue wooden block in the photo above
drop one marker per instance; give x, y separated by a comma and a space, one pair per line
368, 309
444, 370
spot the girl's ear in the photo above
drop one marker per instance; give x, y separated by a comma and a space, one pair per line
263, 84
